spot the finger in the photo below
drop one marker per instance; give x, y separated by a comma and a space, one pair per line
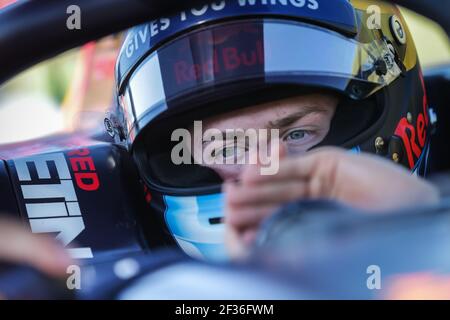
234, 244
20, 246
304, 167
287, 170
247, 217
249, 237
271, 193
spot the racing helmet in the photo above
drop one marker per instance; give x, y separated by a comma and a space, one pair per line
235, 53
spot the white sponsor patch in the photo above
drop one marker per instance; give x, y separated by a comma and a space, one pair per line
54, 207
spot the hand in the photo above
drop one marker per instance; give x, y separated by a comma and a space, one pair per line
20, 246
363, 181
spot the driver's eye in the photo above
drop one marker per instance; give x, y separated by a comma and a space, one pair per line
229, 151
295, 135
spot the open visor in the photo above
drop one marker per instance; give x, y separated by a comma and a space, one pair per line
205, 64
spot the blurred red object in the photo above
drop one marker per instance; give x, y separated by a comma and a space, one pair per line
4, 3
91, 91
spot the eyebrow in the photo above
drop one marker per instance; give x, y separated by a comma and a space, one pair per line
290, 119
286, 121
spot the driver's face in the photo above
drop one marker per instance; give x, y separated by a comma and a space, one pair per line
302, 121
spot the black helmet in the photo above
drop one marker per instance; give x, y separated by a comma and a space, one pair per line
234, 53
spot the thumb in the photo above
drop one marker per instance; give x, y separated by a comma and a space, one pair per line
18, 245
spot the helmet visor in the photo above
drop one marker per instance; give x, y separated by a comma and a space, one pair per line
206, 64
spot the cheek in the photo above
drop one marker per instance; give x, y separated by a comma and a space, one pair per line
297, 151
